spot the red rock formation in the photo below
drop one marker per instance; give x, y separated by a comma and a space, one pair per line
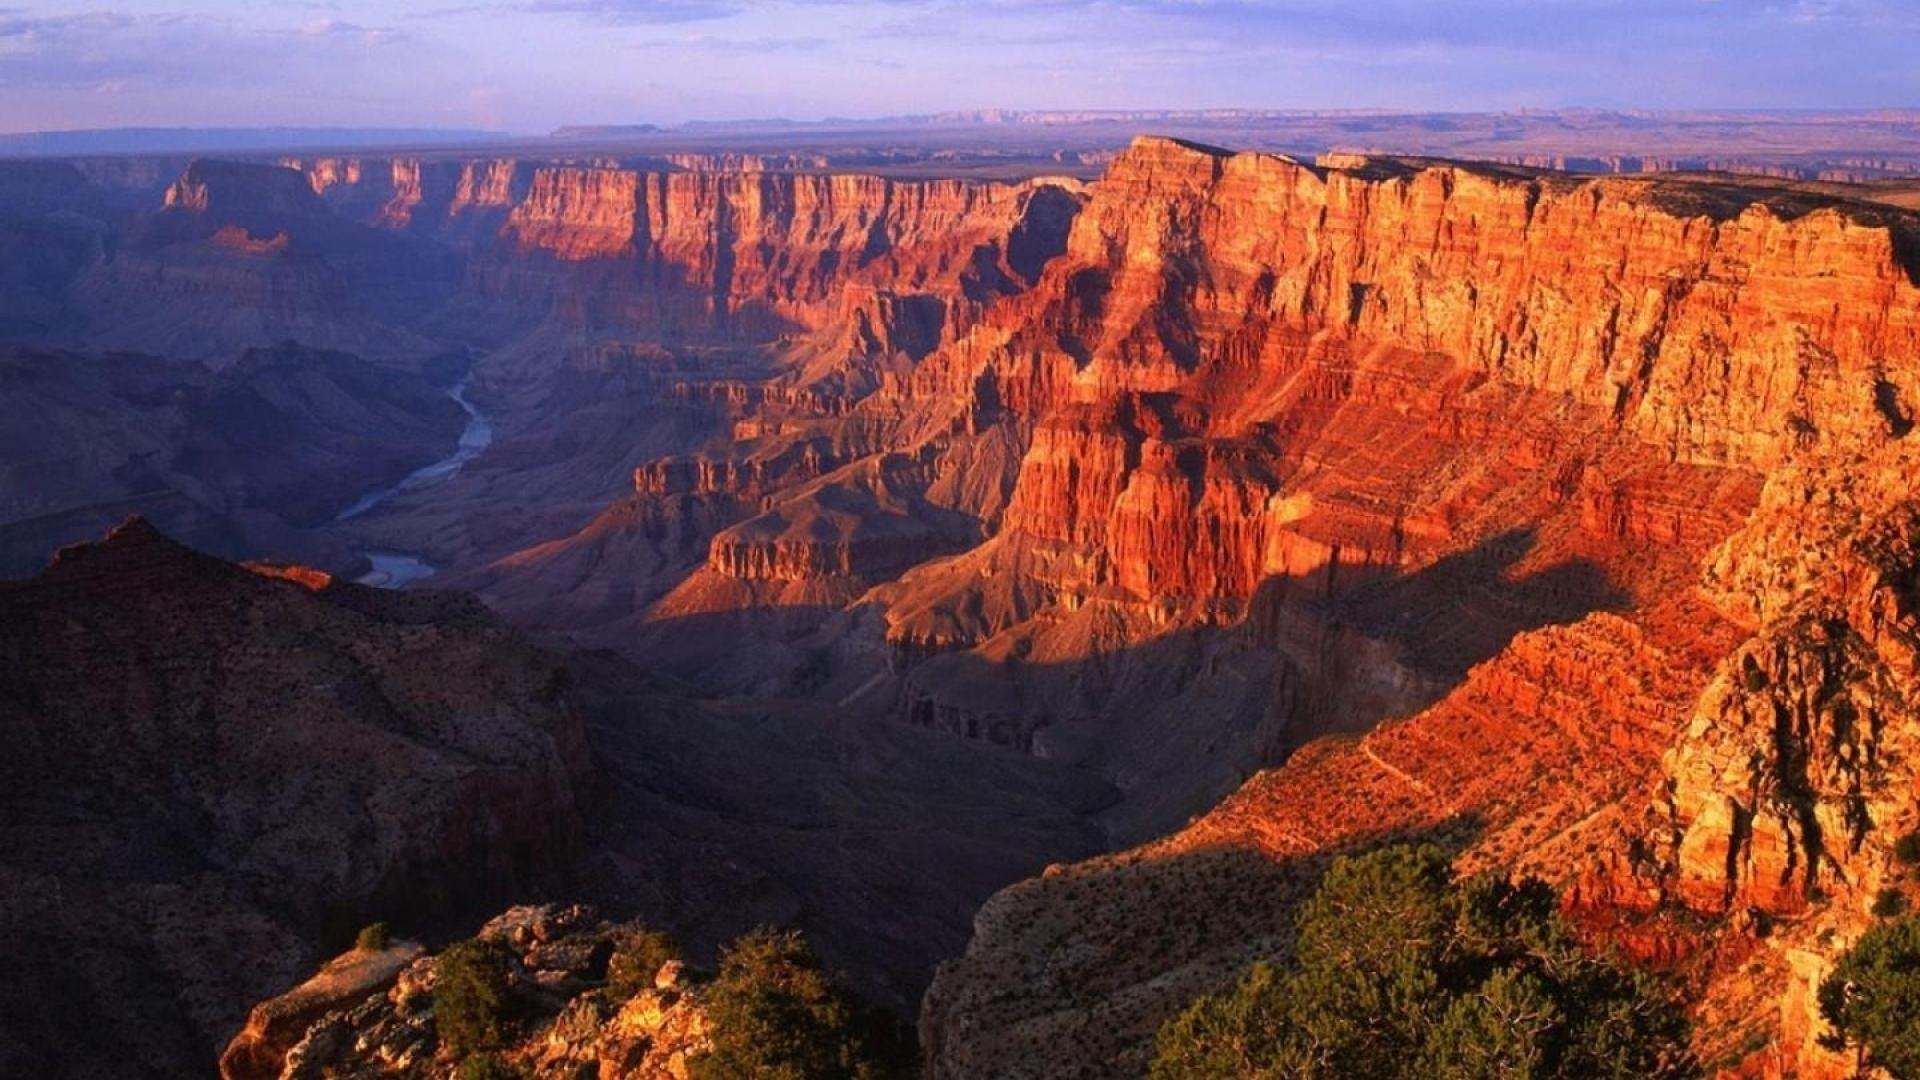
1795, 775
728, 251
1436, 404
277, 1025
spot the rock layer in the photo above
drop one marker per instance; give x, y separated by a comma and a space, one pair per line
1433, 404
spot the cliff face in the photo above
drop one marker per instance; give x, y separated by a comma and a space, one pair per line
1314, 404
210, 768
758, 254
734, 253
1210, 307
1628, 296
1781, 802
1519, 475
380, 255
1325, 405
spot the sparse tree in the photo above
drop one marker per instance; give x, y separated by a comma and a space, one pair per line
470, 994
777, 1016
638, 956
1872, 998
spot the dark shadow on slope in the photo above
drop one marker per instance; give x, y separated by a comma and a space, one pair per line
1433, 625
1179, 720
1041, 233
1464, 608
879, 840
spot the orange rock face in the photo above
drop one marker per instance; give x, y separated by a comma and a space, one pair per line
733, 252
1417, 409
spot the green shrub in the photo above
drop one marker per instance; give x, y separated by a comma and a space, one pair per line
1888, 903
1400, 971
1872, 998
373, 937
470, 994
638, 956
777, 1016
1906, 850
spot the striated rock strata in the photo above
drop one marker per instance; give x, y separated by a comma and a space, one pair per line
1439, 405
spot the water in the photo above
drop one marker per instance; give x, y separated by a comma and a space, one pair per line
474, 440
398, 569
394, 570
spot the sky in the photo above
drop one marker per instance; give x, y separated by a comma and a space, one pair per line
528, 66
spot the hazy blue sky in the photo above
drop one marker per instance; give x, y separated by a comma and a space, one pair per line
530, 65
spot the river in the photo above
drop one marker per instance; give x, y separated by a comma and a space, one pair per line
398, 569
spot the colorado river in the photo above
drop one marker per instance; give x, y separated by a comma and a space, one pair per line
397, 569
393, 570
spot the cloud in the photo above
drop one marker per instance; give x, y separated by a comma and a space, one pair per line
547, 62
754, 45
638, 11
341, 29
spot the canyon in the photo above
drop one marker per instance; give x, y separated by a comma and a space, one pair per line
1024, 584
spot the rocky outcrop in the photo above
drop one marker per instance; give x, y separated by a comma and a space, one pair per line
275, 1026
1782, 800
211, 769
372, 1014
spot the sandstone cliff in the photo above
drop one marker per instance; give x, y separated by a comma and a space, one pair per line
1414, 408
1272, 450
1341, 430
729, 253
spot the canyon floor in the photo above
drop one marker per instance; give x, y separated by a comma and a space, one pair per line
1020, 571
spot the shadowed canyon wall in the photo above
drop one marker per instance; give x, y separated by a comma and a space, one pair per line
213, 770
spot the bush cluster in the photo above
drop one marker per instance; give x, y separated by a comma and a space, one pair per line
1401, 971
776, 1015
1872, 998
471, 994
